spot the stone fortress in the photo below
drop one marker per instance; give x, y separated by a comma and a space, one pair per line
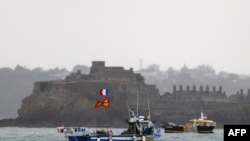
100, 72
67, 100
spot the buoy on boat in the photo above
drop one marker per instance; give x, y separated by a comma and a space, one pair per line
143, 138
134, 138
110, 138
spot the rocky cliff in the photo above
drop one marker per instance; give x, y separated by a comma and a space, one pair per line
72, 102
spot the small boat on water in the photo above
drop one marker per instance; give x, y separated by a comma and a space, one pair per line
140, 126
170, 127
139, 129
157, 132
200, 125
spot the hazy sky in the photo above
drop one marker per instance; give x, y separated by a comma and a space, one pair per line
170, 33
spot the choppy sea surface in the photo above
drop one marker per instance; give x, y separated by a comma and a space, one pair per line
51, 134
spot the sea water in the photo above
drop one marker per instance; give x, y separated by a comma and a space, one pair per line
51, 134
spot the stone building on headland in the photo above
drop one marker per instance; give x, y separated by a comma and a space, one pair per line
100, 72
69, 100
75, 96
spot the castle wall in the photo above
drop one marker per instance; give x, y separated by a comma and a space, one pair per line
200, 95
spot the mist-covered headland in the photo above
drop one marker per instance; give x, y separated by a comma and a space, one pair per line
46, 97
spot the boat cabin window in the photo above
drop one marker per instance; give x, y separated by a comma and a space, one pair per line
131, 128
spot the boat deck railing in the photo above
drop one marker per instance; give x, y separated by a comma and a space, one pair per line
69, 131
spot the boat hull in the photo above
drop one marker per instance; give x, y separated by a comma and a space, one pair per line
174, 129
110, 138
200, 129
205, 129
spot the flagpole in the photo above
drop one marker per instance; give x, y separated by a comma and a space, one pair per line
109, 113
108, 110
106, 103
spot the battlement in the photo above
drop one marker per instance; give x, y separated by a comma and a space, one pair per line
201, 94
194, 90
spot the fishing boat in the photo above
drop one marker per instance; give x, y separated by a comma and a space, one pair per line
139, 129
200, 125
170, 127
140, 126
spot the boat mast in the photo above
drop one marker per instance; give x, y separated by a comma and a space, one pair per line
137, 102
128, 110
149, 114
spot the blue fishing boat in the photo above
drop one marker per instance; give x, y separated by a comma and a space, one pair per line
139, 129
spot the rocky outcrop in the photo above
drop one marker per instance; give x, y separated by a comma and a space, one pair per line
72, 102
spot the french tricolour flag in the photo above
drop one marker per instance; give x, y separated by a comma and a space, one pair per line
104, 92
